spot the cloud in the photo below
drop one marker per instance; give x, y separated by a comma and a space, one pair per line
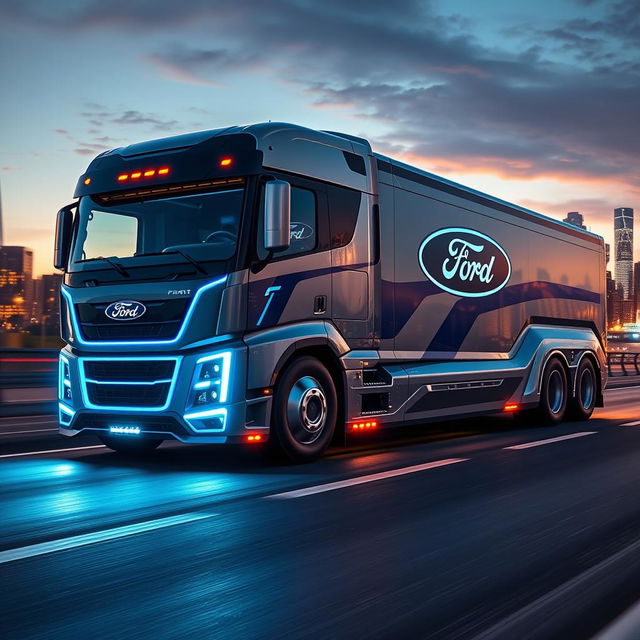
99, 116
562, 102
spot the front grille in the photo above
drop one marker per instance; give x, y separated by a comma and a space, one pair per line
129, 370
128, 383
161, 320
152, 395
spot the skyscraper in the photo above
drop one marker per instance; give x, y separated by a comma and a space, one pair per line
575, 218
1, 232
623, 230
16, 287
636, 284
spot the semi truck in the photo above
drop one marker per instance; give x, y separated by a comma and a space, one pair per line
278, 285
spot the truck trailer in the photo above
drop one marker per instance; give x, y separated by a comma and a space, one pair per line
281, 285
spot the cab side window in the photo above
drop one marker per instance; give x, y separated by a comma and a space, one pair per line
304, 224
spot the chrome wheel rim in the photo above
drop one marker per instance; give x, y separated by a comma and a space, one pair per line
555, 392
306, 410
587, 389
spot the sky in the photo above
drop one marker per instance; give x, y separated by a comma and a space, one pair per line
534, 102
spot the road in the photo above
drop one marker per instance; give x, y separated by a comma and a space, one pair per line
481, 530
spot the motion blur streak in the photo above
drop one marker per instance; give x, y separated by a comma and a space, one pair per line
98, 536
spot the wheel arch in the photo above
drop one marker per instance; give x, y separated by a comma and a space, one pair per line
329, 358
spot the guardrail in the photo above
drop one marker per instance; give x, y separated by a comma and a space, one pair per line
628, 364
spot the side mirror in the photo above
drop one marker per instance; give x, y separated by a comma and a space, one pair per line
64, 229
277, 215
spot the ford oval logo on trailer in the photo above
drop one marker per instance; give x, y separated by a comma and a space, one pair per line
125, 310
464, 262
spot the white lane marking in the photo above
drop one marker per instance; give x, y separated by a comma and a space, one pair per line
13, 433
37, 453
13, 423
373, 477
508, 627
10, 555
539, 443
631, 424
625, 627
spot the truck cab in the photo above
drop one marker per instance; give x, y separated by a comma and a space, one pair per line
201, 268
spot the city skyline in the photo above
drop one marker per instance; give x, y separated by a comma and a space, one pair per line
533, 104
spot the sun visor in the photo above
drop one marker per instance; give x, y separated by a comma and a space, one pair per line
162, 163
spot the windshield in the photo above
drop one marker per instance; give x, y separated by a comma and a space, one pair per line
187, 228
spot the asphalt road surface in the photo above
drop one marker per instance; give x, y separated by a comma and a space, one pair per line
485, 529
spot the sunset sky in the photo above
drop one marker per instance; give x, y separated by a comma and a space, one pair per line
534, 102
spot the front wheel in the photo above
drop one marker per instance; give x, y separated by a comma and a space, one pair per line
130, 445
305, 410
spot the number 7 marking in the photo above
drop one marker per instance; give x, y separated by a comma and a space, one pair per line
271, 291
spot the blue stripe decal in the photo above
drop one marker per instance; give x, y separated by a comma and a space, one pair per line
466, 311
269, 315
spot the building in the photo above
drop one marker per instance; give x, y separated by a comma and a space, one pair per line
1, 231
623, 250
16, 287
636, 287
575, 218
45, 308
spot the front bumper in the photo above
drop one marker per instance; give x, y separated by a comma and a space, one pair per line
175, 416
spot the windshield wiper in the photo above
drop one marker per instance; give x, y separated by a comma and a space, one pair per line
188, 258
116, 265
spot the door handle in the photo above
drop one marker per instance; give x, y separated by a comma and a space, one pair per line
320, 305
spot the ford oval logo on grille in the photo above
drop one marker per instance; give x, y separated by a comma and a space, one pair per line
125, 310
464, 262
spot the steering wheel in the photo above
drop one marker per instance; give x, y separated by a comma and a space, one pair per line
222, 235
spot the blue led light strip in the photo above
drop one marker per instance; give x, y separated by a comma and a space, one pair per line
100, 407
77, 335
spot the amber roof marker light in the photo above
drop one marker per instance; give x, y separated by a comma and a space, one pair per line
226, 162
139, 173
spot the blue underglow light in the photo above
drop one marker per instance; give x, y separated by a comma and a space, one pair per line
131, 431
77, 335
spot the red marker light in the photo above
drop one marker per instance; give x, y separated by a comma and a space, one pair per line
87, 180
149, 173
163, 171
226, 162
122, 177
255, 438
365, 425
511, 407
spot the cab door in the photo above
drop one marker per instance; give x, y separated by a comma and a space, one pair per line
293, 285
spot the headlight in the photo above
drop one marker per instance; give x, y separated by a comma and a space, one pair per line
64, 381
210, 384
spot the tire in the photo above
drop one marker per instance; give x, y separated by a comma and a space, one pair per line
305, 410
554, 391
130, 446
583, 402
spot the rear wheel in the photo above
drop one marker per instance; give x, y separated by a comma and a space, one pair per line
129, 445
584, 401
553, 393
305, 409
